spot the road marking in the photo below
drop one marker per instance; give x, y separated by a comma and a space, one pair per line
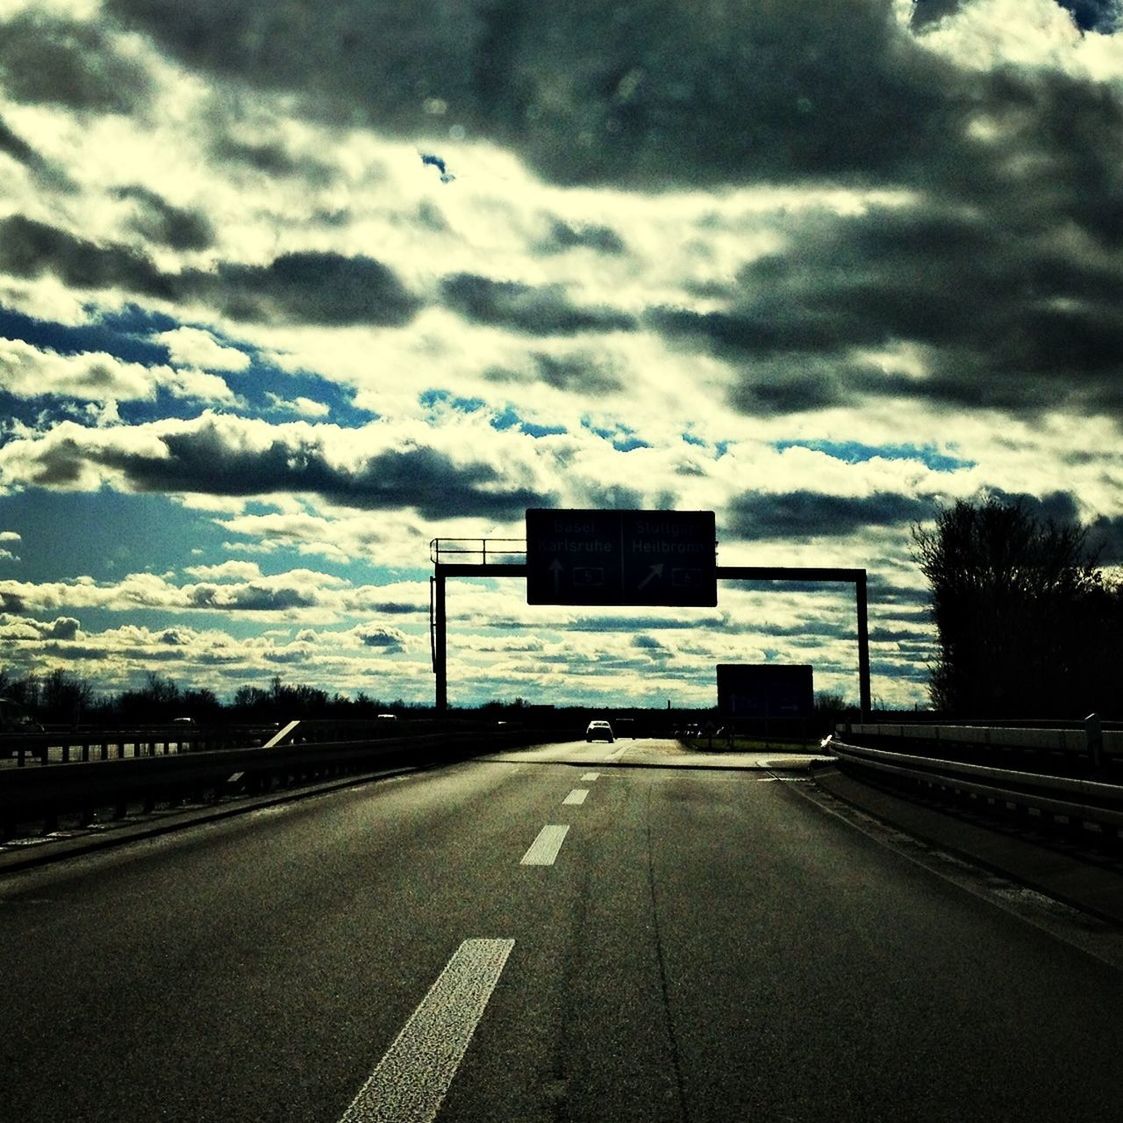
576, 797
544, 849
591, 776
412, 1078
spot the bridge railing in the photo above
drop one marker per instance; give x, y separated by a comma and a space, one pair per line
36, 798
1066, 777
86, 745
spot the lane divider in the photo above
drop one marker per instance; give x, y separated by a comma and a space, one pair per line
591, 776
411, 1080
576, 797
544, 849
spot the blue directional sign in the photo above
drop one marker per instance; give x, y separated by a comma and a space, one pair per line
620, 557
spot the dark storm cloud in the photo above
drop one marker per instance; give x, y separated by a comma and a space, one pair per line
796, 514
656, 94
389, 640
642, 92
274, 160
397, 608
45, 59
18, 148
1006, 320
209, 461
542, 310
160, 221
12, 604
251, 598
29, 249
582, 372
564, 236
307, 287
1104, 541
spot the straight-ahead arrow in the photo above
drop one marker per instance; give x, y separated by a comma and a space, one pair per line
556, 568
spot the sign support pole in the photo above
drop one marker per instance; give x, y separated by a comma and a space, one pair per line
440, 638
863, 645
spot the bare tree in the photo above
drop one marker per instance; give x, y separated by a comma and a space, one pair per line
1018, 604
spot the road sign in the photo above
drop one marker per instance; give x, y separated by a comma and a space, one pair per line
620, 557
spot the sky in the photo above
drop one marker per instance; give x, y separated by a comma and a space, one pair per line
289, 290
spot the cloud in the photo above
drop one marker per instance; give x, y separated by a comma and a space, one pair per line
29, 248
32, 372
198, 348
541, 310
48, 60
159, 221
317, 287
18, 148
592, 93
389, 640
567, 236
225, 456
309, 287
799, 514
584, 372
999, 321
274, 159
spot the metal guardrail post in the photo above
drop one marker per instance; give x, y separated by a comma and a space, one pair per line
1093, 733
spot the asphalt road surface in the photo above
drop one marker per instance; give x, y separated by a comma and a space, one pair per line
549, 935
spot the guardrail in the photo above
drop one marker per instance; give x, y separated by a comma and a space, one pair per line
38, 797
85, 745
1089, 749
1089, 802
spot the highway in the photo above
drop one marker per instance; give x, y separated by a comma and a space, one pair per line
545, 935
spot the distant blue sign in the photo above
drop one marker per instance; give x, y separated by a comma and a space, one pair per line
621, 557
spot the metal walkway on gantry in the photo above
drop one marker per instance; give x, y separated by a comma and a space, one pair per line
494, 559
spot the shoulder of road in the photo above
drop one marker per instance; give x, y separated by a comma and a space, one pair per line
1077, 878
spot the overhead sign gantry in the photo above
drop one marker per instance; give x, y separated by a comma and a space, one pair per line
611, 557
621, 557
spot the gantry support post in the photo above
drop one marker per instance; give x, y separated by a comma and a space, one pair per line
439, 637
863, 646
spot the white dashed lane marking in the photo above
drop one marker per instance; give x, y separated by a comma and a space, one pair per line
591, 776
414, 1075
544, 849
576, 797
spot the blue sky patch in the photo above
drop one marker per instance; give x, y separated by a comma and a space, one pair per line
622, 438
435, 399
111, 336
853, 452
508, 418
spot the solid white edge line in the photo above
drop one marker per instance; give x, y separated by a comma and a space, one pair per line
544, 849
576, 797
411, 1080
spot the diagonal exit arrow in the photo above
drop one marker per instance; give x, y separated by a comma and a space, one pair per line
656, 571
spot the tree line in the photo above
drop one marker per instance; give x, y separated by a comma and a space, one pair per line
61, 697
1028, 624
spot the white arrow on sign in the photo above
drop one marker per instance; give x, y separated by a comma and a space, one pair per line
656, 571
555, 569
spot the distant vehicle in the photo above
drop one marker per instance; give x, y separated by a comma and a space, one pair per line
625, 727
599, 731
183, 721
386, 717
